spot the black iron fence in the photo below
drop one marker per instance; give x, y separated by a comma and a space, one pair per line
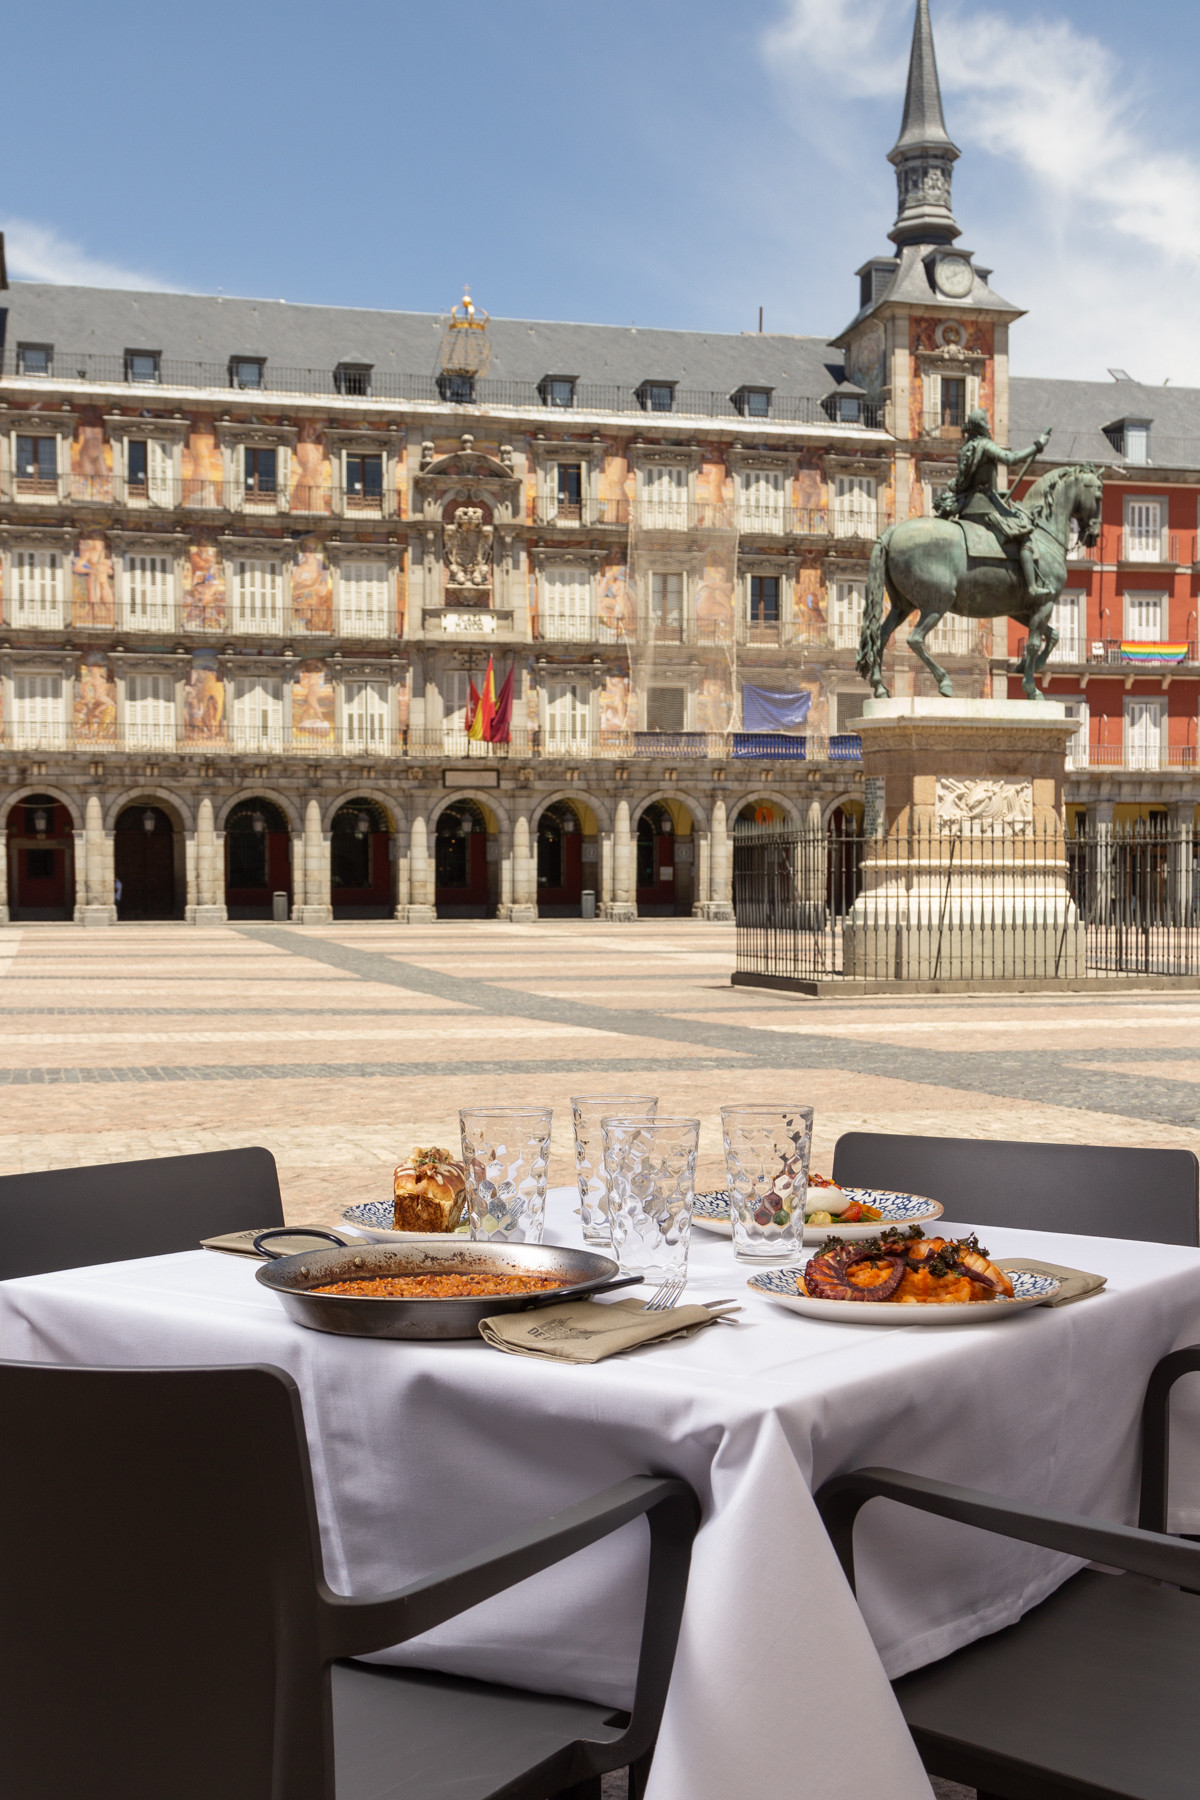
998, 900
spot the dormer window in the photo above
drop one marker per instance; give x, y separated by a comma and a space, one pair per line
353, 378
557, 390
1130, 438
845, 405
754, 402
35, 359
657, 396
246, 371
143, 365
456, 389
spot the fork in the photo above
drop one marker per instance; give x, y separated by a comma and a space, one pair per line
666, 1294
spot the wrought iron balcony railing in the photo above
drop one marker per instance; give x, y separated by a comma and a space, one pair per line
1128, 652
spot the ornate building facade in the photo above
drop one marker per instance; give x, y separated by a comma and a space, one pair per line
255, 556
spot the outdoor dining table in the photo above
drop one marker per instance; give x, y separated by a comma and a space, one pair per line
422, 1450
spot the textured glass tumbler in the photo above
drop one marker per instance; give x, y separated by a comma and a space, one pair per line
650, 1168
587, 1110
766, 1167
506, 1152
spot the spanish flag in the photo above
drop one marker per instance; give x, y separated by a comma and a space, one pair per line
484, 706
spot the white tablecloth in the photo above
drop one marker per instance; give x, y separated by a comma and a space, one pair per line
419, 1450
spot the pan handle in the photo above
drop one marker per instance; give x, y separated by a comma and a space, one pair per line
584, 1290
291, 1231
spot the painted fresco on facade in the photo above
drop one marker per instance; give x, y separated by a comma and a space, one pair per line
312, 588
714, 598
204, 587
91, 460
204, 701
403, 702
312, 704
401, 592
401, 506
615, 489
615, 602
312, 471
95, 699
714, 697
812, 495
617, 705
202, 465
92, 598
812, 614
975, 338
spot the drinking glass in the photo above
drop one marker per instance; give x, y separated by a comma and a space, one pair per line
766, 1163
587, 1111
650, 1171
506, 1152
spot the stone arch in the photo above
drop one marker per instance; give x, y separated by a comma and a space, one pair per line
27, 789
664, 796
148, 793
601, 808
666, 865
255, 864
850, 797
565, 847
259, 791
792, 813
366, 790
466, 868
150, 869
363, 855
39, 873
487, 798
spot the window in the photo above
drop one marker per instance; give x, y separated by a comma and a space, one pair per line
762, 498
1077, 746
764, 600
954, 400
566, 604
854, 508
656, 396
258, 468
846, 614
665, 498
847, 409
258, 597
148, 472
665, 709
137, 462
456, 390
753, 403
365, 714
1145, 618
1144, 722
566, 714
566, 481
1143, 531
37, 464
35, 359
456, 695
666, 605
142, 365
1130, 438
246, 371
257, 711
149, 710
148, 593
953, 636
557, 390
38, 715
1068, 619
364, 481
364, 600
38, 588
353, 378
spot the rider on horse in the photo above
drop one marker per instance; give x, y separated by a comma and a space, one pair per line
974, 495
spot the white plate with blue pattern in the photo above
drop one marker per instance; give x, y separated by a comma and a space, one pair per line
373, 1218
787, 1287
711, 1213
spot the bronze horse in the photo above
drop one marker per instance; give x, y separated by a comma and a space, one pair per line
923, 566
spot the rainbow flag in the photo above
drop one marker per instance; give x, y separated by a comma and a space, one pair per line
1153, 653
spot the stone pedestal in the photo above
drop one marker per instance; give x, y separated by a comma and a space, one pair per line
964, 864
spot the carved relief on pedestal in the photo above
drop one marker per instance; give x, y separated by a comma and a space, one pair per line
468, 546
984, 806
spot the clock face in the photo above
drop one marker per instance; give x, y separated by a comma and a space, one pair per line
954, 276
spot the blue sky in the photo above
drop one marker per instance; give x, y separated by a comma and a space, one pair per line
655, 161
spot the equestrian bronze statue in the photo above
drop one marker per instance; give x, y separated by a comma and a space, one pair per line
984, 556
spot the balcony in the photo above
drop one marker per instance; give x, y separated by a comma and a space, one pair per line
569, 515
1136, 758
194, 494
862, 524
1125, 653
1157, 546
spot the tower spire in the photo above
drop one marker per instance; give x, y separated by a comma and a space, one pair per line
923, 154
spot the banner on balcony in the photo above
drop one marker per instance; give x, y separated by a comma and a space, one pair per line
1153, 653
763, 710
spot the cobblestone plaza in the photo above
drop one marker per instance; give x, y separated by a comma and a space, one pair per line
340, 1047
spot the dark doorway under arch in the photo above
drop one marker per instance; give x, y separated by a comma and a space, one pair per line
360, 864
461, 869
41, 860
258, 859
144, 863
560, 862
664, 865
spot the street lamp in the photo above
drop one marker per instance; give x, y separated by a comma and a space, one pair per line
149, 820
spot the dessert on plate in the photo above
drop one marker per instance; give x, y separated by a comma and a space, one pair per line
430, 1191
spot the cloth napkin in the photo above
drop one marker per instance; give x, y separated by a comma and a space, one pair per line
585, 1331
241, 1243
1077, 1284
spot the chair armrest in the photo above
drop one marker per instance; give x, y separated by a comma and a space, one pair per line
1123, 1546
1156, 1428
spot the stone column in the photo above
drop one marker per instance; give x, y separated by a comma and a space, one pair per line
1101, 861
399, 848
623, 904
420, 909
604, 897
1182, 831
316, 909
4, 915
720, 870
209, 908
94, 887
524, 903
701, 874
297, 873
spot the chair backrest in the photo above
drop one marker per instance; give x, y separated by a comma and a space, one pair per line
1091, 1190
108, 1212
158, 1612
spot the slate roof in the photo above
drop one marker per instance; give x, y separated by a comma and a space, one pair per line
1079, 410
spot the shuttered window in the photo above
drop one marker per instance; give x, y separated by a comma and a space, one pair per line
1143, 531
846, 614
365, 606
665, 499
1144, 733
854, 507
149, 711
148, 593
762, 497
257, 712
1144, 618
258, 597
566, 714
365, 714
38, 588
1068, 620
566, 604
39, 715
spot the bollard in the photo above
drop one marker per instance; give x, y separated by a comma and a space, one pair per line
279, 908
588, 904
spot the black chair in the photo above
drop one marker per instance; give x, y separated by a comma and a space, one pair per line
108, 1212
1090, 1696
1156, 1438
166, 1629
1087, 1190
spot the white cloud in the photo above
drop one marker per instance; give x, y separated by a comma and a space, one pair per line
37, 253
1100, 233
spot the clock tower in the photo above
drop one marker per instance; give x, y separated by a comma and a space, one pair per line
930, 338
